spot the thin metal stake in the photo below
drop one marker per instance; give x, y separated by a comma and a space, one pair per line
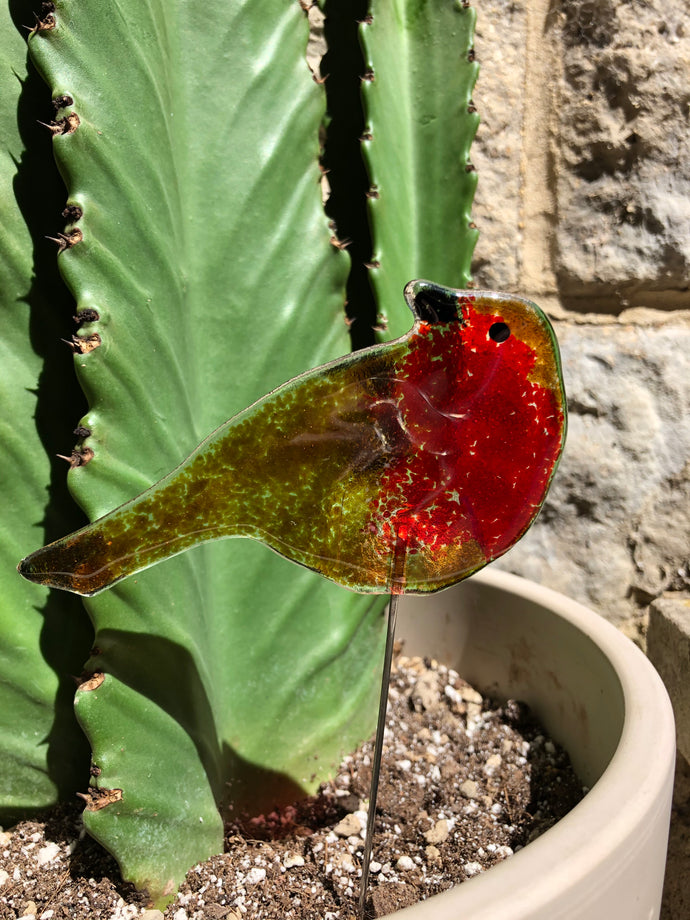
378, 750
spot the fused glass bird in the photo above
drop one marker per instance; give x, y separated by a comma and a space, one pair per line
445, 439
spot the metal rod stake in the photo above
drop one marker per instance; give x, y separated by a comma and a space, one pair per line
378, 750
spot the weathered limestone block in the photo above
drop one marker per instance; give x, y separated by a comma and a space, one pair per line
614, 531
500, 39
668, 647
623, 147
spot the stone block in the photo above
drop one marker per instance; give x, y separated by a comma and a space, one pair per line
500, 39
668, 647
622, 148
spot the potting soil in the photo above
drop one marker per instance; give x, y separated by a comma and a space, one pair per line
465, 783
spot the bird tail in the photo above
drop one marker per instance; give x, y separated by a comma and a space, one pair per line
84, 562
126, 540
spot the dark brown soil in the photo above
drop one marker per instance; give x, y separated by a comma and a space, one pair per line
466, 782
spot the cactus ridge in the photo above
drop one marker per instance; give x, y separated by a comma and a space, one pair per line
417, 97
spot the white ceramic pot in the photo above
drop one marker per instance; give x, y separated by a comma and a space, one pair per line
597, 695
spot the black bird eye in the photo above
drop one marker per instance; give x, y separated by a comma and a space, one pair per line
499, 332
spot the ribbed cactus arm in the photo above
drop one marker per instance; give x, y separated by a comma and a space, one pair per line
419, 125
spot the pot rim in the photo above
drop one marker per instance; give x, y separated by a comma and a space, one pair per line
623, 800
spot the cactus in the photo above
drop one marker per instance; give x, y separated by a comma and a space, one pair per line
44, 639
420, 123
199, 257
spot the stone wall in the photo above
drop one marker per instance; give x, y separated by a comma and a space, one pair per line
584, 206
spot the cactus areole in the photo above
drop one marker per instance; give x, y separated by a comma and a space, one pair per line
446, 438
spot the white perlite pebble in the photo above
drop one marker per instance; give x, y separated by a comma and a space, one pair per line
47, 853
469, 789
349, 826
151, 915
345, 862
472, 868
405, 863
123, 912
492, 764
452, 694
438, 833
470, 695
293, 859
3, 877
255, 875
